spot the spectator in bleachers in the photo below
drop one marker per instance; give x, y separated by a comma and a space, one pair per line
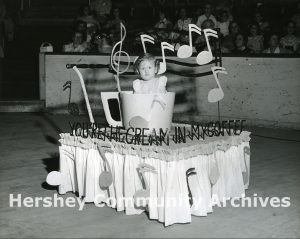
207, 15
255, 39
102, 9
163, 23
81, 26
223, 24
264, 26
296, 19
86, 15
77, 45
228, 41
274, 47
225, 5
240, 44
201, 41
182, 25
113, 26
290, 41
100, 43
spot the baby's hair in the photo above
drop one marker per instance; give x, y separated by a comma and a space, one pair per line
145, 57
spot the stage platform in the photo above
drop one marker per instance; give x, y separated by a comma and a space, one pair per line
29, 151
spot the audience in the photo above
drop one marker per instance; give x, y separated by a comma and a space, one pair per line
274, 47
255, 39
113, 26
240, 44
163, 23
99, 32
223, 24
207, 15
228, 41
100, 44
77, 45
290, 41
182, 25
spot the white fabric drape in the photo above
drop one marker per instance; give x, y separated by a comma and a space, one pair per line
169, 202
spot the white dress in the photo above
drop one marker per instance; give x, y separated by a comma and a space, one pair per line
157, 85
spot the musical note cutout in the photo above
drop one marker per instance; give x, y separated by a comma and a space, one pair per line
146, 38
72, 107
216, 94
246, 174
205, 57
163, 65
186, 51
141, 195
54, 178
114, 62
188, 173
105, 178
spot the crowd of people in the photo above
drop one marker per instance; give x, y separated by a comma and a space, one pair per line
96, 30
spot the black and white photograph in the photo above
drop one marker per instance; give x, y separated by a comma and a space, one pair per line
149, 118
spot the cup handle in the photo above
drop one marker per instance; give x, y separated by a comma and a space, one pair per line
110, 120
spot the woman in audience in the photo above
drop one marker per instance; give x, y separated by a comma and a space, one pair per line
181, 25
255, 39
240, 44
207, 15
264, 26
290, 41
223, 24
163, 23
113, 26
87, 16
274, 47
228, 41
77, 45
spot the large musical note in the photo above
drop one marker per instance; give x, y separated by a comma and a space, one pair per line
114, 62
146, 38
143, 193
216, 94
163, 65
205, 57
186, 51
72, 107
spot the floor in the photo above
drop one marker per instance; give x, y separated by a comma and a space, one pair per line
29, 151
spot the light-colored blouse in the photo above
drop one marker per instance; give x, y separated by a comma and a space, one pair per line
156, 85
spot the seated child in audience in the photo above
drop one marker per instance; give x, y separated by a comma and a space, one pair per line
182, 25
207, 15
255, 39
290, 41
163, 23
77, 44
274, 47
147, 67
240, 44
113, 26
228, 41
86, 15
223, 24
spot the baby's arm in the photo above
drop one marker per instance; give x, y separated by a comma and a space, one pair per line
136, 86
162, 83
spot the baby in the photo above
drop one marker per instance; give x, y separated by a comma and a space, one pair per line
147, 67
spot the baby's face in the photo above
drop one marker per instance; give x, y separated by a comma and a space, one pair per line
147, 70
